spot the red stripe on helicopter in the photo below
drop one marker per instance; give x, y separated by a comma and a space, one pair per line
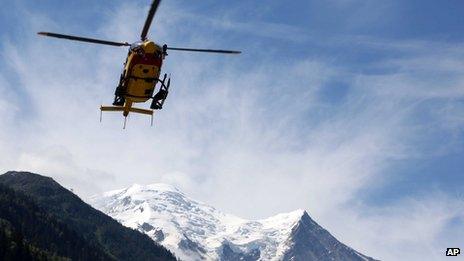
149, 59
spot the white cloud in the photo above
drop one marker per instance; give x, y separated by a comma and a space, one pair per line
412, 229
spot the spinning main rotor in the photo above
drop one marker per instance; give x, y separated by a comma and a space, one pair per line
143, 36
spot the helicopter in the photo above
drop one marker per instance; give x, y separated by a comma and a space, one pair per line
142, 70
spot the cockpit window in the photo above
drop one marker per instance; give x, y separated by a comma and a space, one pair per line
137, 48
136, 45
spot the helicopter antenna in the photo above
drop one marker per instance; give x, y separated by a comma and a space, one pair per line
151, 14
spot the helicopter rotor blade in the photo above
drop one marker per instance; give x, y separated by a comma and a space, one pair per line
151, 14
204, 50
83, 39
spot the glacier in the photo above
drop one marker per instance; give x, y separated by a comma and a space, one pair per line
196, 231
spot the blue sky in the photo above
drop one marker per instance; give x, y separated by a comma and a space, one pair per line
347, 108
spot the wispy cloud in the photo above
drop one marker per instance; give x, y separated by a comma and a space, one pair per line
251, 138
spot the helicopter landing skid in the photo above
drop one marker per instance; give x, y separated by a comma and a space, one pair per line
122, 109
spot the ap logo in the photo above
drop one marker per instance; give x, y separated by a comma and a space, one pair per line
454, 251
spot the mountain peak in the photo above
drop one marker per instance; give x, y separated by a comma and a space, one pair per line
137, 189
195, 230
26, 175
293, 215
32, 182
162, 187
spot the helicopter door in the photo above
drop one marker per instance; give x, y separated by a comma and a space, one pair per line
144, 71
142, 80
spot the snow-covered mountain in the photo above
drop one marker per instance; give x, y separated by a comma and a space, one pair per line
196, 231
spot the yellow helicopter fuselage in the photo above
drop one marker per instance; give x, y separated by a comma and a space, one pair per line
139, 77
141, 71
